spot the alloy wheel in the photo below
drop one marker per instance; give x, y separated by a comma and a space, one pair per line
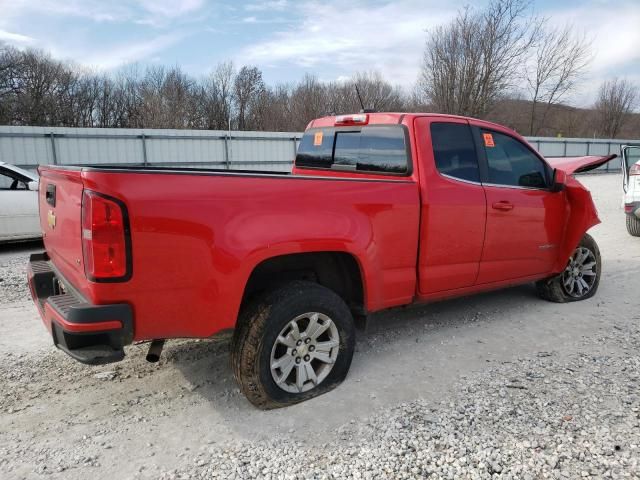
304, 352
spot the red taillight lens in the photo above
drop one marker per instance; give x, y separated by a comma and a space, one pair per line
635, 169
104, 238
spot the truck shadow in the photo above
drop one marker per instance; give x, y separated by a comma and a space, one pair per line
391, 362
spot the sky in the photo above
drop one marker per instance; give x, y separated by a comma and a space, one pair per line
331, 39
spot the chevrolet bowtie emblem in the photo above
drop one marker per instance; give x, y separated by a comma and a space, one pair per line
51, 219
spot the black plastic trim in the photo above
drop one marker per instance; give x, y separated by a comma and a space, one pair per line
50, 194
230, 173
95, 347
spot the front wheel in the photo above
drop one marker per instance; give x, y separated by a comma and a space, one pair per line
292, 344
580, 278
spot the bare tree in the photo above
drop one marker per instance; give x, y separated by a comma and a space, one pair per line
248, 87
377, 93
308, 100
560, 58
470, 63
616, 100
217, 94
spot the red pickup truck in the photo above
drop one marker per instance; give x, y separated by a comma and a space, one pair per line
381, 210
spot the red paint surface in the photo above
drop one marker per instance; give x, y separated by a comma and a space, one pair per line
196, 238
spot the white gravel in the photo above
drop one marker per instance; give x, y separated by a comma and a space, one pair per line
13, 274
501, 385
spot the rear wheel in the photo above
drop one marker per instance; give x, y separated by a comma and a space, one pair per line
292, 344
580, 278
633, 225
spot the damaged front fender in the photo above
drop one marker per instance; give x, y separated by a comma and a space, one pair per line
581, 216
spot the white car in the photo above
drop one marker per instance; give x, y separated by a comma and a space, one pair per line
631, 184
19, 218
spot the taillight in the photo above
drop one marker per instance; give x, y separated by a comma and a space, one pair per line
635, 169
105, 238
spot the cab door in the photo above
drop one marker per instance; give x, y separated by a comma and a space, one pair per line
453, 206
525, 220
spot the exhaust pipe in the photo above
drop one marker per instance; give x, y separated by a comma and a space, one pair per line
155, 349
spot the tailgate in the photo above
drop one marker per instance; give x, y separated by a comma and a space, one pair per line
60, 200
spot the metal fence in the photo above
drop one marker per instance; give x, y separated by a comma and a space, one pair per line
31, 146
28, 147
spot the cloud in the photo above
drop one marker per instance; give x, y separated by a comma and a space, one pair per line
171, 8
355, 36
96, 10
15, 38
266, 6
615, 35
129, 53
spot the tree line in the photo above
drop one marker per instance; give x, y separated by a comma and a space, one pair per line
501, 63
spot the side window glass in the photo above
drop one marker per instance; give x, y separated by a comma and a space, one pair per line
454, 151
512, 163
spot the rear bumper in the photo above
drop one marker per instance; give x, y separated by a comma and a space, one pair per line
632, 208
92, 334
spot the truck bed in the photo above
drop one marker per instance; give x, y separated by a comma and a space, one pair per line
197, 234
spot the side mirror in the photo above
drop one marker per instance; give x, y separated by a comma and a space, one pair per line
559, 180
33, 186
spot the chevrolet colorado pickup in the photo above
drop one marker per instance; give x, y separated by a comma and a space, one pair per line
380, 210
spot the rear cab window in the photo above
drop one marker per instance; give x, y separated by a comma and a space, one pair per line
378, 149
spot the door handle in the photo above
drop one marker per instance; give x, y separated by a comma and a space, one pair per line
504, 206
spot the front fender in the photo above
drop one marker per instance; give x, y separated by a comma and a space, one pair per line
582, 215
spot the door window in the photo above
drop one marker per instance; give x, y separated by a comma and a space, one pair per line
511, 163
454, 151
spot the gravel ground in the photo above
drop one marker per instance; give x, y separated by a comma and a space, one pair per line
13, 262
531, 418
500, 385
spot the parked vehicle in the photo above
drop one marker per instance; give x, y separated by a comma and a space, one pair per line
18, 204
631, 185
380, 210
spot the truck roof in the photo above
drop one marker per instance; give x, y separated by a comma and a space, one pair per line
378, 118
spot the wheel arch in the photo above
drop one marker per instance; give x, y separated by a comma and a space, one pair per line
339, 271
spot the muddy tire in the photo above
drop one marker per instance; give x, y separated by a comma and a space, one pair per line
579, 280
633, 225
292, 344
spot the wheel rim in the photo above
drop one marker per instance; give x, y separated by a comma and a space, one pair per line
304, 352
581, 272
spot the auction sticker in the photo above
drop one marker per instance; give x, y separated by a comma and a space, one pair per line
488, 140
317, 139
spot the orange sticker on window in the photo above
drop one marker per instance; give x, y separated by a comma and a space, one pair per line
317, 139
488, 140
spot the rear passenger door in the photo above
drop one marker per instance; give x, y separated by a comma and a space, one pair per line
524, 219
453, 205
